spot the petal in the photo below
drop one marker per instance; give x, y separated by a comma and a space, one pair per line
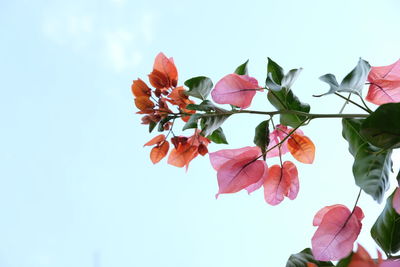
301, 148
220, 157
237, 174
235, 90
321, 213
166, 66
144, 104
156, 140
181, 156
281, 182
336, 234
140, 88
275, 137
253, 187
361, 258
385, 84
159, 152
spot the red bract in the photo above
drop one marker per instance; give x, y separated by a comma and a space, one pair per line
385, 84
361, 258
160, 150
281, 182
338, 230
239, 169
396, 200
234, 89
186, 149
165, 74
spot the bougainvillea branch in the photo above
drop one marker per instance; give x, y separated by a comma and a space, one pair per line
371, 137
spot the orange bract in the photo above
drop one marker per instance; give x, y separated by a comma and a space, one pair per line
140, 88
181, 156
361, 258
156, 140
302, 148
159, 152
158, 79
144, 104
310, 264
167, 67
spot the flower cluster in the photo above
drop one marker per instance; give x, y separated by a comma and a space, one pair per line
153, 103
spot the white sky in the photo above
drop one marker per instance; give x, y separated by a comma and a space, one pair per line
76, 186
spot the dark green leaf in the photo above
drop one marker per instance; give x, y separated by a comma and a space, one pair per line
261, 136
162, 122
371, 165
352, 83
199, 87
275, 71
302, 258
386, 230
212, 123
218, 136
152, 125
192, 122
382, 127
286, 100
242, 69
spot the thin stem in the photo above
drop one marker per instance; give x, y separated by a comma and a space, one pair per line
365, 104
354, 103
272, 113
355, 204
345, 104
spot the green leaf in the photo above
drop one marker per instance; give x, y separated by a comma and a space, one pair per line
371, 165
152, 125
382, 127
242, 69
199, 87
291, 77
302, 258
275, 71
386, 230
261, 136
162, 122
206, 106
286, 82
352, 83
212, 123
218, 136
286, 100
192, 122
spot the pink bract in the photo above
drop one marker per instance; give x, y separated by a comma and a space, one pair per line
239, 169
338, 229
220, 157
234, 89
384, 84
281, 182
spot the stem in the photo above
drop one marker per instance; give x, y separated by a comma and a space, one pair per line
345, 104
365, 105
354, 103
272, 113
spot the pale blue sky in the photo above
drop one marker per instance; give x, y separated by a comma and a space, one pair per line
76, 186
